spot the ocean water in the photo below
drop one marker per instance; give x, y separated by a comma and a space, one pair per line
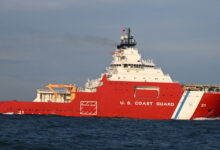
33, 132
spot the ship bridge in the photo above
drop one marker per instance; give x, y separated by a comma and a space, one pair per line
127, 64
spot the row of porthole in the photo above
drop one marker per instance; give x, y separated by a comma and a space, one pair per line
128, 83
169, 95
132, 65
142, 78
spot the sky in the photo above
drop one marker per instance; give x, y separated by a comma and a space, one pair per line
69, 41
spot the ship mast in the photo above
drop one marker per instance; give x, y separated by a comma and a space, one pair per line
128, 40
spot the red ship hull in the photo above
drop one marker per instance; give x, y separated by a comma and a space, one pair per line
124, 99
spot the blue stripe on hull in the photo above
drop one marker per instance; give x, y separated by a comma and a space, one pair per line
177, 114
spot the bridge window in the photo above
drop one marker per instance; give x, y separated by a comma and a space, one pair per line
125, 65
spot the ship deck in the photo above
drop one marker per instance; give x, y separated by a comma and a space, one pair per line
201, 87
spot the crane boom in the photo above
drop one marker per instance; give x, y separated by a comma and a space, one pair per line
70, 88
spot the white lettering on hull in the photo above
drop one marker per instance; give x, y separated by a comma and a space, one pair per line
164, 104
143, 103
147, 103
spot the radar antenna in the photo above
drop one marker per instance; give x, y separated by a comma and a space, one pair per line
127, 40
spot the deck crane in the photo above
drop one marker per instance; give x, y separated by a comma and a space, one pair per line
70, 88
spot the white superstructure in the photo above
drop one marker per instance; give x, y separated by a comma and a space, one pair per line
127, 65
44, 95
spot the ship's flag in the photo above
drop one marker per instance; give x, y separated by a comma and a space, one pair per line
122, 31
117, 52
112, 53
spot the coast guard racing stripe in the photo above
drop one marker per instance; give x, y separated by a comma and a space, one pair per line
187, 104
